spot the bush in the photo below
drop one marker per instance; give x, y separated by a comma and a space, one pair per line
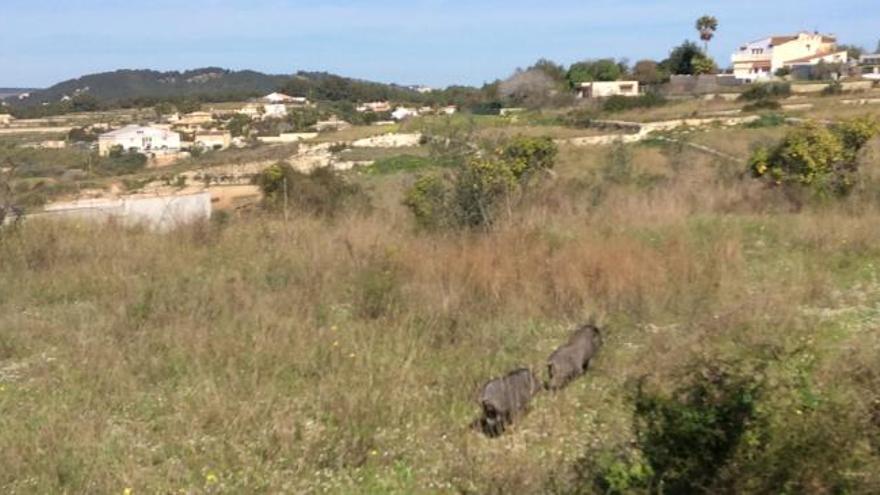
428, 201
322, 192
687, 438
120, 163
684, 440
834, 88
767, 120
821, 158
473, 195
620, 103
766, 91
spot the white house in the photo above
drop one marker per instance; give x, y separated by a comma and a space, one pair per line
403, 113
274, 111
5, 119
761, 59
139, 139
375, 106
604, 89
283, 98
870, 65
277, 98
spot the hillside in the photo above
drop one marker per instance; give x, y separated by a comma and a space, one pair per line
211, 83
7, 92
125, 88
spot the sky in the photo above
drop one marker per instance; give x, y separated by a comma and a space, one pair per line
431, 42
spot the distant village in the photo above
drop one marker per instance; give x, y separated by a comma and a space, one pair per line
806, 63
804, 56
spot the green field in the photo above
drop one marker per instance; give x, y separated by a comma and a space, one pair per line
344, 355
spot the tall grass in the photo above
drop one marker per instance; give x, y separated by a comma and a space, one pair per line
312, 356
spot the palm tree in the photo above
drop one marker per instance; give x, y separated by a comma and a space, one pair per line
707, 25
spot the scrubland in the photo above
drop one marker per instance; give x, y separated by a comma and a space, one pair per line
343, 355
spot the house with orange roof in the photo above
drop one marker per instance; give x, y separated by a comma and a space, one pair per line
761, 59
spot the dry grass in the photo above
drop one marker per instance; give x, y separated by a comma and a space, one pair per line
315, 356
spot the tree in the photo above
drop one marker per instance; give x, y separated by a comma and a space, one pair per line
164, 108
529, 87
707, 25
704, 65
649, 72
189, 106
238, 125
681, 59
482, 186
853, 51
605, 69
551, 68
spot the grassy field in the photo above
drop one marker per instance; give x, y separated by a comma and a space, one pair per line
344, 355
256, 355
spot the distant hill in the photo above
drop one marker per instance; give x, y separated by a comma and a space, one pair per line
143, 88
126, 85
14, 92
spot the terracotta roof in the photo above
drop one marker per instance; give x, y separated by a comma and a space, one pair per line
780, 40
813, 57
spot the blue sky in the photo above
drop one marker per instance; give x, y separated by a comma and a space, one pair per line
435, 42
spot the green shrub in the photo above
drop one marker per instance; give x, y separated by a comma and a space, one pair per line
766, 91
120, 164
527, 155
581, 118
619, 103
688, 437
834, 88
478, 190
767, 120
481, 186
428, 201
322, 192
685, 441
819, 157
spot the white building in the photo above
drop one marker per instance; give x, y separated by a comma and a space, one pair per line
274, 111
283, 98
870, 65
604, 89
403, 113
139, 139
761, 59
375, 106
